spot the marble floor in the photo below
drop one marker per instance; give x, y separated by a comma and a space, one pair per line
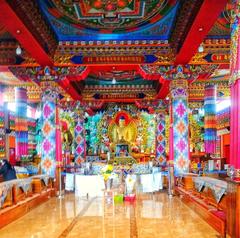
152, 216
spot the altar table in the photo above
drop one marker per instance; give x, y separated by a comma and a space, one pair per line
91, 185
151, 182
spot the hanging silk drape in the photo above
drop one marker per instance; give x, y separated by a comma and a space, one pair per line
180, 125
210, 123
79, 140
235, 125
161, 138
48, 162
21, 124
235, 88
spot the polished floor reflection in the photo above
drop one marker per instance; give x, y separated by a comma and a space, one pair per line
152, 216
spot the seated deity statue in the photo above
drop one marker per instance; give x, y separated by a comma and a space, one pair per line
121, 132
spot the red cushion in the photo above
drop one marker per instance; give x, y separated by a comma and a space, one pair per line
219, 214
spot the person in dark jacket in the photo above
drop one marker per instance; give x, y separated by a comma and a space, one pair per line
7, 171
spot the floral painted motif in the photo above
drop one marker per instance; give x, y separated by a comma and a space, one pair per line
180, 130
49, 134
161, 139
79, 141
181, 109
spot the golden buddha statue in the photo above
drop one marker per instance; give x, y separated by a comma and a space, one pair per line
123, 133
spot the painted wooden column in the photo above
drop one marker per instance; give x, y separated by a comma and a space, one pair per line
235, 90
58, 138
49, 148
21, 124
210, 123
79, 139
2, 127
180, 127
161, 137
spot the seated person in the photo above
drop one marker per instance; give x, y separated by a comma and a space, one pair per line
7, 170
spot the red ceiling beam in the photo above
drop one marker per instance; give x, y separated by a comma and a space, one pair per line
147, 76
164, 90
69, 89
16, 27
205, 19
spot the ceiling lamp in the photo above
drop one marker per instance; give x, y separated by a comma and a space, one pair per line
114, 81
18, 50
200, 48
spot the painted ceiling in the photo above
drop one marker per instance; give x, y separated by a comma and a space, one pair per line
86, 44
222, 25
108, 20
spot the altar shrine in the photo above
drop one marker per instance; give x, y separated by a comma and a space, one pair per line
118, 103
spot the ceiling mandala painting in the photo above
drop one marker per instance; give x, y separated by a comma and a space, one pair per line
107, 16
222, 25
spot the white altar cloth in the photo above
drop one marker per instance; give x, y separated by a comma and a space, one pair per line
91, 185
151, 182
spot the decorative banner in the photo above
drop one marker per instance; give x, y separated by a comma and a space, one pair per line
210, 123
79, 141
48, 163
21, 125
113, 59
161, 139
180, 125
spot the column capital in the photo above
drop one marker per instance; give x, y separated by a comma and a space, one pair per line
50, 94
48, 73
179, 88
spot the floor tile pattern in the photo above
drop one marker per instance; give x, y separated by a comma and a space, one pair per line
151, 216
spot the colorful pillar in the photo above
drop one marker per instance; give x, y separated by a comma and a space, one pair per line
180, 130
235, 90
161, 137
21, 124
210, 123
79, 140
58, 138
49, 109
2, 127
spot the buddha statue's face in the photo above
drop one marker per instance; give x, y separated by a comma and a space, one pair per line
121, 122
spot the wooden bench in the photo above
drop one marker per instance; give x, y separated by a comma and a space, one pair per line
214, 217
204, 204
18, 196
